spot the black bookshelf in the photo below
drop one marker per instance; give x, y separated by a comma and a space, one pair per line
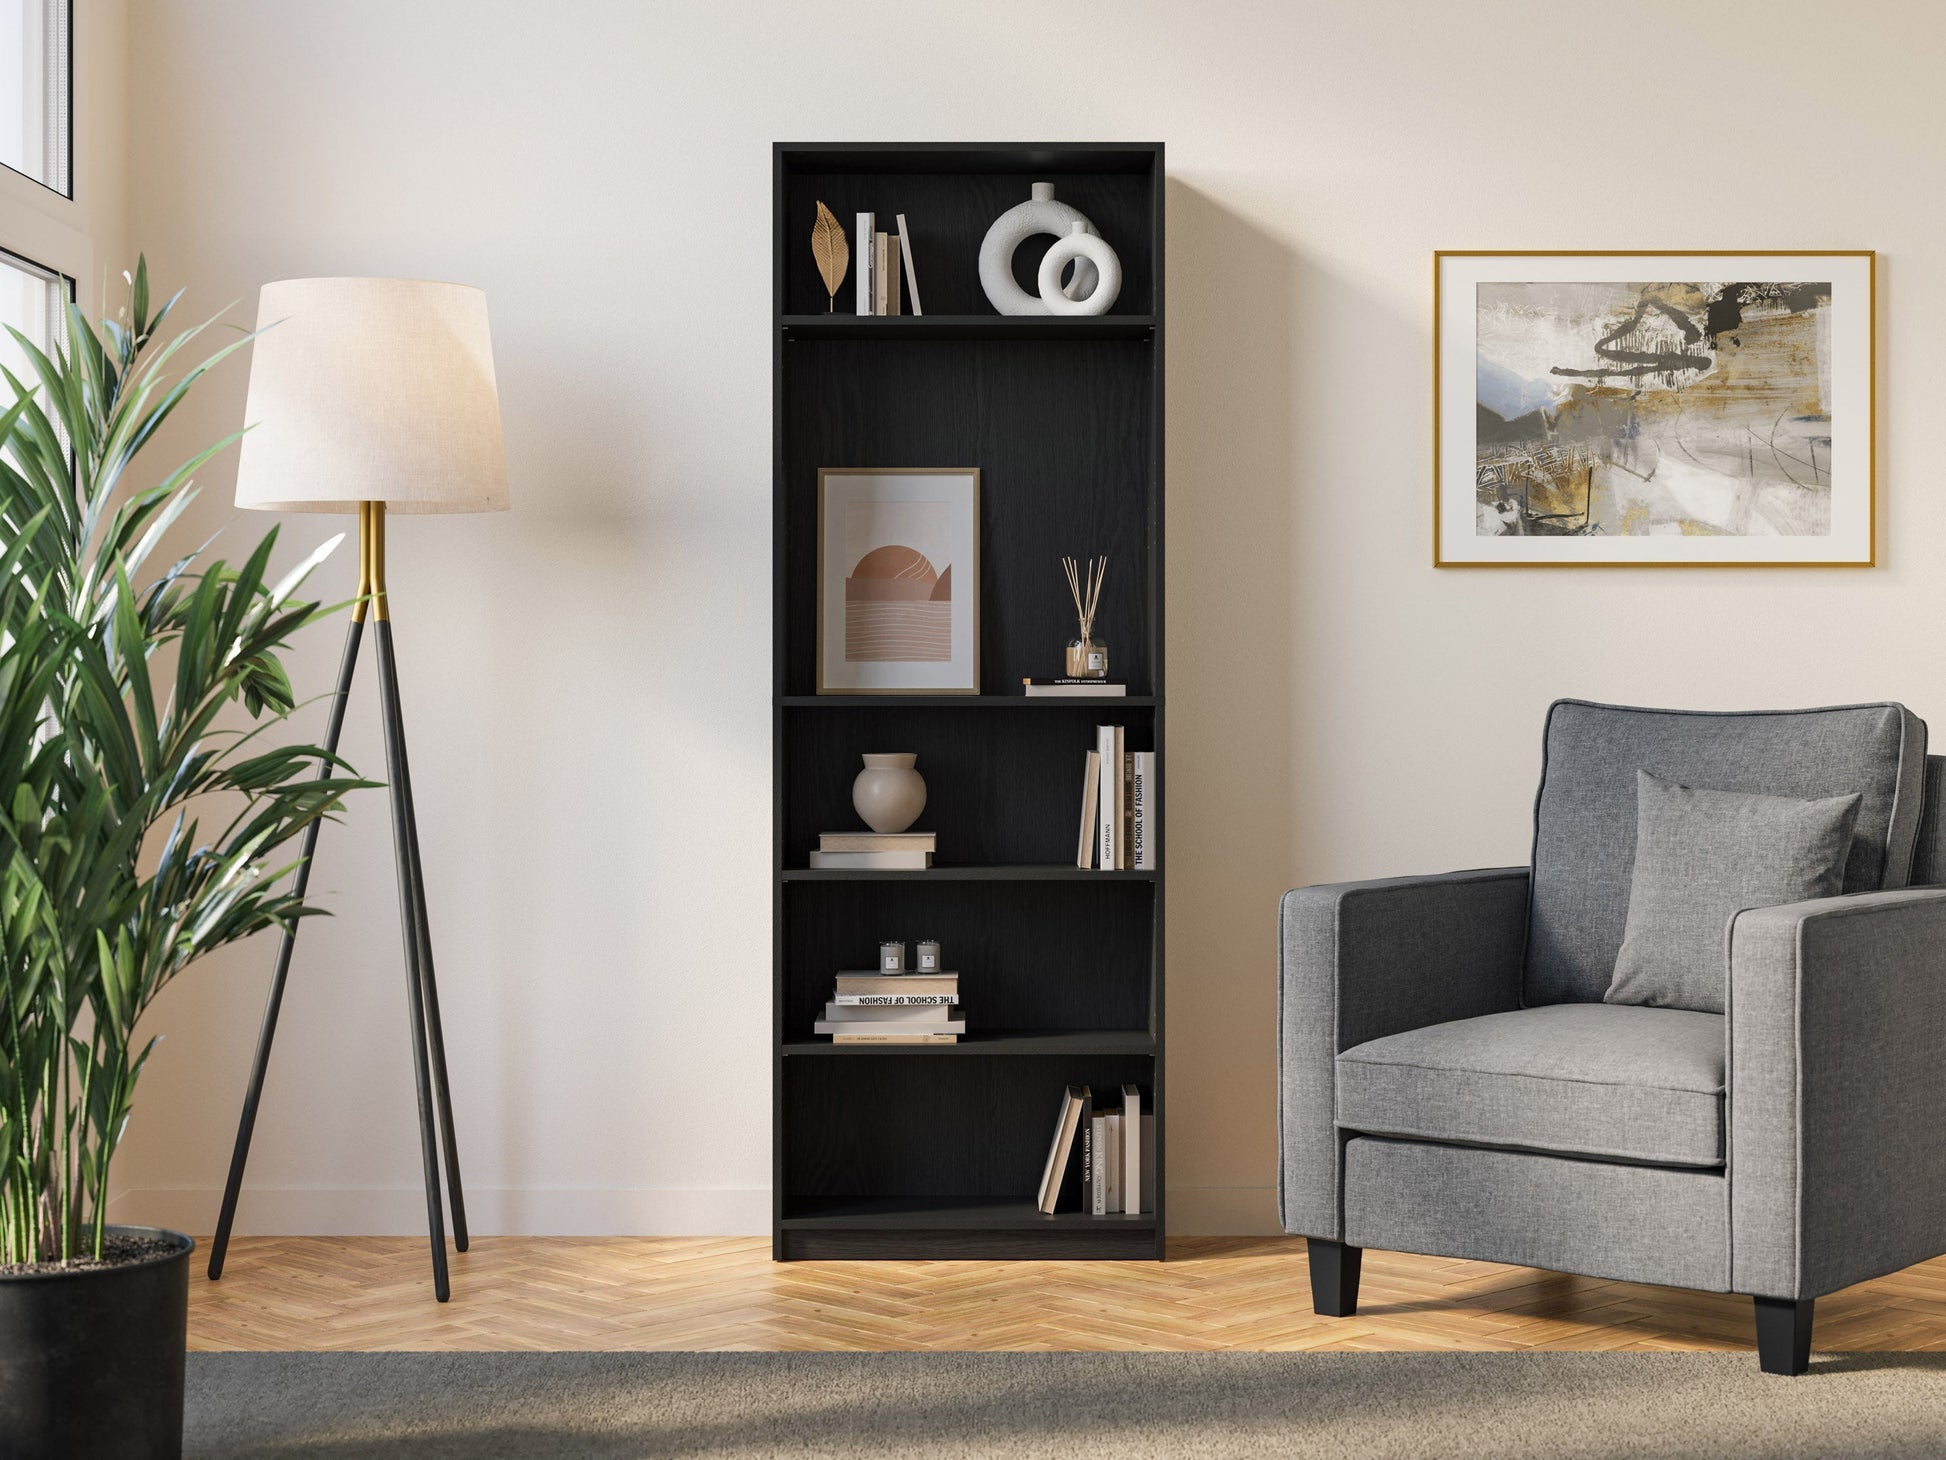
936, 1151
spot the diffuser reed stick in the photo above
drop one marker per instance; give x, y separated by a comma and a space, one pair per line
1085, 585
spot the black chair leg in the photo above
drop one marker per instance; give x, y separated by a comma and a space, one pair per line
1334, 1277
1784, 1335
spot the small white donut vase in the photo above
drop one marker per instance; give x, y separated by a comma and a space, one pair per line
1081, 245
1012, 228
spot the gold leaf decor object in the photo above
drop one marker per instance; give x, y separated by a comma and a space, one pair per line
833, 254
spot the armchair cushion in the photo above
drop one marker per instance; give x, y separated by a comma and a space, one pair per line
1584, 817
1610, 1081
1701, 857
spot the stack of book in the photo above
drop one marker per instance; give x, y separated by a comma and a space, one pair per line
894, 1008
1067, 689
879, 257
1101, 1162
898, 851
1117, 805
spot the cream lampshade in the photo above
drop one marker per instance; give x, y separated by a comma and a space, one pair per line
372, 390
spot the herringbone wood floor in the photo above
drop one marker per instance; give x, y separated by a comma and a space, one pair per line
725, 1293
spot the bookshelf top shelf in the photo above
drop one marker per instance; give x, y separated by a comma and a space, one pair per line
968, 326
1051, 158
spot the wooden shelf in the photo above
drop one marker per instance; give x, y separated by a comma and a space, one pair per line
1029, 872
936, 1213
995, 1042
968, 327
1104, 703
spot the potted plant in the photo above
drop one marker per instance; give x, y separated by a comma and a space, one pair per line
143, 797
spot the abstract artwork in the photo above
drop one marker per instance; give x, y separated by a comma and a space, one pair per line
1653, 408
898, 581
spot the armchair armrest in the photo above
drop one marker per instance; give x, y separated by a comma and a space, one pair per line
1836, 1090
1361, 960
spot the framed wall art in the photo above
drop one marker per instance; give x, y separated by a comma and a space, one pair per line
1629, 409
899, 581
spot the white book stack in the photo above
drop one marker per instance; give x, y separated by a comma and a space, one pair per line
869, 1007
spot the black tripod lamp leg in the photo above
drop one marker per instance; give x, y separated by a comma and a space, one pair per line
388, 686
429, 984
260, 1066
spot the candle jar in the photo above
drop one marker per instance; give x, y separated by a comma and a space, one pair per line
1087, 658
891, 957
929, 955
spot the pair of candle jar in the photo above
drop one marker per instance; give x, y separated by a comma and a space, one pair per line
891, 958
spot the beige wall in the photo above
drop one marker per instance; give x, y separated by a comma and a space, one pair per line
586, 678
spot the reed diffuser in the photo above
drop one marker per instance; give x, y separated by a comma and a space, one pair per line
1087, 655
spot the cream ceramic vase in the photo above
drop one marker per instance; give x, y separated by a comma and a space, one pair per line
889, 793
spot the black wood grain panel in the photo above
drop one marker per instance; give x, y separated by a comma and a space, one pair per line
1060, 433
948, 216
924, 1127
1033, 955
999, 788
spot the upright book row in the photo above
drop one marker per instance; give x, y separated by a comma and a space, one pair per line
1102, 1159
879, 257
1117, 797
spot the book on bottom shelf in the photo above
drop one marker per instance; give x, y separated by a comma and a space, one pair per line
1102, 1159
1062, 1179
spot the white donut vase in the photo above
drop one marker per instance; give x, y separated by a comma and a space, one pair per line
1080, 247
1041, 214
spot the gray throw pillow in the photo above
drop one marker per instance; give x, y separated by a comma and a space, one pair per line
1703, 856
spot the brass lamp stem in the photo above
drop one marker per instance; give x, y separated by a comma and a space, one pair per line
371, 563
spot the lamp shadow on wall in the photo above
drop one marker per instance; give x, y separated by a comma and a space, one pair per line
1232, 651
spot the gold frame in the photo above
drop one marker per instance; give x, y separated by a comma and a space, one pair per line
974, 576
1871, 386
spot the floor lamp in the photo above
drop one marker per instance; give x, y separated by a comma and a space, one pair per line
368, 395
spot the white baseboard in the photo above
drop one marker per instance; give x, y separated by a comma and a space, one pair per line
511, 1211
515, 1211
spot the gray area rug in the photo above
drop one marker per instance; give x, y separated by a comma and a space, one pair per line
1129, 1406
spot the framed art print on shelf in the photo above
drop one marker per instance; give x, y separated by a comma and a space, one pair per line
899, 580
1672, 409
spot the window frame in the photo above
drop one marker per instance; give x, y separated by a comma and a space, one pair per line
41, 226
67, 163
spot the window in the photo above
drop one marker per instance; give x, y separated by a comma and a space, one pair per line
32, 300
44, 243
35, 92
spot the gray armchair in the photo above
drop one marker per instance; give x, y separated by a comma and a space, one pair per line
1453, 1084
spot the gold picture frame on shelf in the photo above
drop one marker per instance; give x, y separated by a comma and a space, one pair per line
1654, 409
898, 580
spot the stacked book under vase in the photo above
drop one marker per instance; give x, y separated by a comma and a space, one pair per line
904, 851
894, 1008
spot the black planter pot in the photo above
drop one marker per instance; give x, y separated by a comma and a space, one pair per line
91, 1362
